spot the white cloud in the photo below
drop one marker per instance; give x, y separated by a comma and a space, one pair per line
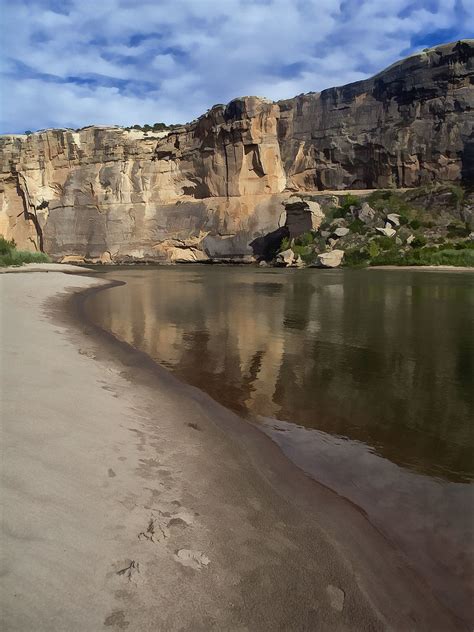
169, 60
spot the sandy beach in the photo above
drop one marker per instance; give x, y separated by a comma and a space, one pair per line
133, 501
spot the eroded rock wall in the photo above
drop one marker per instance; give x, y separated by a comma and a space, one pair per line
408, 126
214, 186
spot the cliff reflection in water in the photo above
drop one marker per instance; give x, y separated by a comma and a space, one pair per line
384, 357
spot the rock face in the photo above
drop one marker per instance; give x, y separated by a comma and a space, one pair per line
407, 126
215, 186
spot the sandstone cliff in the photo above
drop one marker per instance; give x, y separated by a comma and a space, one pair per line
213, 187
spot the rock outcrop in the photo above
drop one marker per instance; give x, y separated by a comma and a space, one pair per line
212, 188
302, 215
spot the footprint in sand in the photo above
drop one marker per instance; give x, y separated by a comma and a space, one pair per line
130, 570
336, 597
87, 353
117, 619
193, 559
181, 518
156, 530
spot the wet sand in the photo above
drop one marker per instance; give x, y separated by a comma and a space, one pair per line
133, 501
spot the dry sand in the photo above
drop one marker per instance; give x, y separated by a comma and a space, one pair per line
47, 267
132, 501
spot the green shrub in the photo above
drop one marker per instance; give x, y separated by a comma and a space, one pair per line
378, 195
310, 257
415, 224
344, 208
19, 257
6, 246
10, 256
446, 257
389, 258
358, 226
464, 245
458, 193
338, 212
456, 229
319, 244
285, 244
303, 251
305, 239
355, 257
418, 242
384, 242
450, 257
389, 202
350, 200
427, 257
374, 250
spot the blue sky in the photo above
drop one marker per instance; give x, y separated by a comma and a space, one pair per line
70, 63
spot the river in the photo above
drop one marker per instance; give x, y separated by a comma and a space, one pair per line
365, 378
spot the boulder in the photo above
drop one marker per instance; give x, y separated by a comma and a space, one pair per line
388, 232
285, 258
72, 259
331, 259
366, 213
341, 231
105, 257
187, 255
410, 239
317, 214
339, 221
354, 211
299, 263
302, 215
393, 219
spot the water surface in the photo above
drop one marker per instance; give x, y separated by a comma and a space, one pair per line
364, 378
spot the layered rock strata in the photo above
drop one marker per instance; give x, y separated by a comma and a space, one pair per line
212, 188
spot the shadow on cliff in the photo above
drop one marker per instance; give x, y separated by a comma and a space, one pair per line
267, 246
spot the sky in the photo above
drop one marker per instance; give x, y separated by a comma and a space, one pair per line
71, 63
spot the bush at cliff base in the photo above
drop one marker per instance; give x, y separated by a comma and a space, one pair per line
10, 256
